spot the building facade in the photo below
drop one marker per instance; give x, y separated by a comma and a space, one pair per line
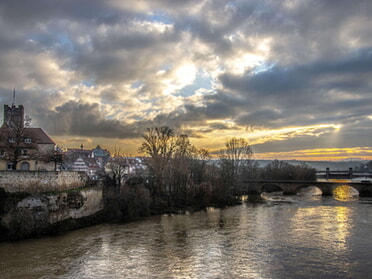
90, 161
23, 147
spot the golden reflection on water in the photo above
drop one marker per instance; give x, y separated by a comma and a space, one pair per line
342, 225
345, 193
330, 231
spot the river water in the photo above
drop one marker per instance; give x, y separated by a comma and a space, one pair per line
282, 237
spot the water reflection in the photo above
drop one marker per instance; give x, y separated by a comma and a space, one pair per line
329, 231
300, 238
345, 193
341, 193
310, 191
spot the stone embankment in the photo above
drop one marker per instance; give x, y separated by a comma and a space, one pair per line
34, 204
41, 181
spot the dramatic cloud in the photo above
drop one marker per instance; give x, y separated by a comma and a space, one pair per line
291, 76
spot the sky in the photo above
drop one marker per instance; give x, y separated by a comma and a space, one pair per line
293, 77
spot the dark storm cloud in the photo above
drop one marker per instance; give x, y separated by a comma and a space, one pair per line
85, 120
332, 88
219, 106
27, 13
294, 79
125, 57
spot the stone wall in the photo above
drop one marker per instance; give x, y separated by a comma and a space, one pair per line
25, 215
41, 181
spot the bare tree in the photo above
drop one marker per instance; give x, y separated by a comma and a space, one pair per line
118, 165
159, 141
18, 143
235, 161
159, 144
54, 155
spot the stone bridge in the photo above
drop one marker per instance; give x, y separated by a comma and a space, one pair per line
290, 187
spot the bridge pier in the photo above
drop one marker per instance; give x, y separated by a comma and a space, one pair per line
290, 192
256, 197
327, 192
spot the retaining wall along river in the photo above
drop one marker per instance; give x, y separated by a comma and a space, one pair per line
34, 211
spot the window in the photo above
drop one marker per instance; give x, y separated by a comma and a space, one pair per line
11, 140
2, 153
25, 166
10, 166
24, 152
28, 140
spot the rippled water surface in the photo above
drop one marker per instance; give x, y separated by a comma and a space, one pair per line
283, 237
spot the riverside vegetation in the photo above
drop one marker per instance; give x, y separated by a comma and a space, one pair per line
181, 177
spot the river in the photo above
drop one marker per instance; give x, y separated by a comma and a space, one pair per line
283, 237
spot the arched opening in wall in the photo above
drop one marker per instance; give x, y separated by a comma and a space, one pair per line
25, 166
345, 193
270, 188
271, 192
365, 192
309, 190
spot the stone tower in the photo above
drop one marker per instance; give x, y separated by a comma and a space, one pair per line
13, 116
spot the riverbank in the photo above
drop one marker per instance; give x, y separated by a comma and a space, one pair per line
25, 215
35, 213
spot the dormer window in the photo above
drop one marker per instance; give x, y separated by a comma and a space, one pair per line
28, 140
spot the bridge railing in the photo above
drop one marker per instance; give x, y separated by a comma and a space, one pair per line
342, 174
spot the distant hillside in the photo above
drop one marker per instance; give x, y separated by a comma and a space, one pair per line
321, 165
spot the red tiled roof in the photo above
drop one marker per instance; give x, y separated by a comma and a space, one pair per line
36, 134
40, 135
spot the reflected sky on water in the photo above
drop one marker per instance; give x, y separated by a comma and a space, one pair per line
282, 237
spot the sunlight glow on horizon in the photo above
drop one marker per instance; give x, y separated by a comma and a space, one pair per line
255, 135
214, 140
130, 147
320, 154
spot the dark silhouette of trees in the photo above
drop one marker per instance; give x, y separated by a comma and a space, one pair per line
159, 144
177, 168
279, 170
181, 176
235, 163
118, 166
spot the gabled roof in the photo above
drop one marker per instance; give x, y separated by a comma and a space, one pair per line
36, 134
40, 135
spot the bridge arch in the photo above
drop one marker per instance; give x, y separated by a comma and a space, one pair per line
365, 191
345, 192
270, 187
309, 189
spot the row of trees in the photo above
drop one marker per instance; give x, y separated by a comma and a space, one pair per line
279, 170
175, 166
181, 175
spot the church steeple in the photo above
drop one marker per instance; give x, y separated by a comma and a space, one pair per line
13, 97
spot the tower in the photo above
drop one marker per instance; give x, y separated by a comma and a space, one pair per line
13, 116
